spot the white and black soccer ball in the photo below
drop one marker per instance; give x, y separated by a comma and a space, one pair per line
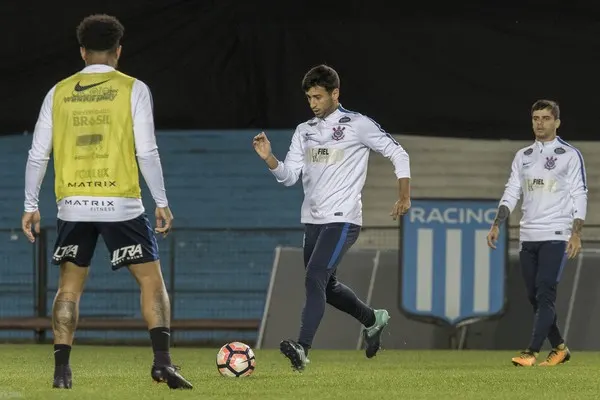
235, 360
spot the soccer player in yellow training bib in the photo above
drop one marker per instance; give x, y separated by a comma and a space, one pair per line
96, 122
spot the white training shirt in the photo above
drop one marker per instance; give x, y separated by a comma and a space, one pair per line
551, 177
332, 154
104, 209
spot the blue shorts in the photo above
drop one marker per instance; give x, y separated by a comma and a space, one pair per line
128, 242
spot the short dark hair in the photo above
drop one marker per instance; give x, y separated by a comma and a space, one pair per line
321, 75
100, 32
545, 105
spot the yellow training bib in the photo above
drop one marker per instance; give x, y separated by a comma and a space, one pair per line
92, 135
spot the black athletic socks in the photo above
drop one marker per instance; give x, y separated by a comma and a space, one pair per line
160, 338
62, 352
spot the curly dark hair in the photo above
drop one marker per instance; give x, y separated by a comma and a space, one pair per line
100, 32
321, 75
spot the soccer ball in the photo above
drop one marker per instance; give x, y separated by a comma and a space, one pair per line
236, 359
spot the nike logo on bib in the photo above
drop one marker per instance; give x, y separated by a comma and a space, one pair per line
79, 88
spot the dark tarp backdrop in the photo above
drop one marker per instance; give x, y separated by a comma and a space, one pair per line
460, 70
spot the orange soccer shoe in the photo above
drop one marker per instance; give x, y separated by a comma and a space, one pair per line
559, 355
525, 359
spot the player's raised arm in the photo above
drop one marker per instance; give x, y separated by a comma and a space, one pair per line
288, 171
35, 170
377, 139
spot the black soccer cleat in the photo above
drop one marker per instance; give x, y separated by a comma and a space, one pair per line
295, 353
170, 376
63, 377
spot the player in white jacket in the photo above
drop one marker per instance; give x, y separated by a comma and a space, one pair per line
550, 175
331, 151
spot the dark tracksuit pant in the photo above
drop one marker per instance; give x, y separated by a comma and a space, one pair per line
324, 247
541, 265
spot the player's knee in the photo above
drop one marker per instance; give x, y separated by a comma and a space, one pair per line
332, 287
545, 297
153, 284
148, 273
315, 279
67, 295
72, 278
69, 290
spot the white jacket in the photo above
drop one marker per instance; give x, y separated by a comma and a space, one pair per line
332, 154
551, 177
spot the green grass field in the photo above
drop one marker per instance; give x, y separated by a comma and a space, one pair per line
123, 373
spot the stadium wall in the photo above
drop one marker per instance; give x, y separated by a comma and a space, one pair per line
216, 184
230, 216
